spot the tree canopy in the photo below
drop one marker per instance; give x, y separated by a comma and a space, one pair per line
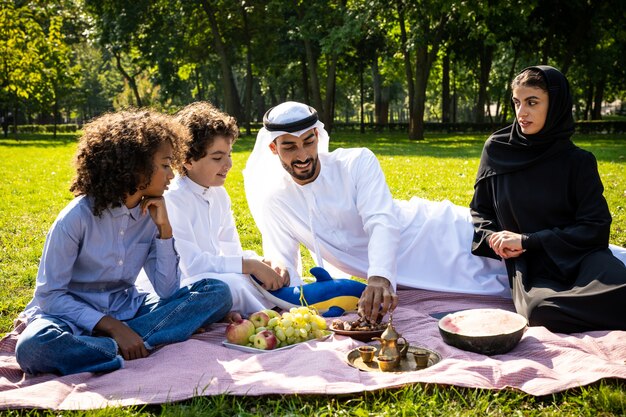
355, 61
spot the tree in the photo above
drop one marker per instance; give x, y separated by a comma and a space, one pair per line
423, 37
22, 42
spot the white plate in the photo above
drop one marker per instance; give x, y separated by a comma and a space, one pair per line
255, 350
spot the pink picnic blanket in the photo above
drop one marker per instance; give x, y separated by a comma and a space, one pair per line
542, 363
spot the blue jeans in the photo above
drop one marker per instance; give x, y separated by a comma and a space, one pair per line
48, 345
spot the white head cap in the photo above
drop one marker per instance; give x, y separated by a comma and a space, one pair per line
264, 172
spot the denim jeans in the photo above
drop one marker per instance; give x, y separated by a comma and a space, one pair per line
48, 345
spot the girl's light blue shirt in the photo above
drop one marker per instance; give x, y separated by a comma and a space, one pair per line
90, 263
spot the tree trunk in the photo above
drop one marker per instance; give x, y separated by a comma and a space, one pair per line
589, 102
55, 113
598, 97
385, 94
381, 96
247, 97
305, 81
231, 96
416, 128
314, 79
486, 58
507, 90
131, 79
407, 64
199, 85
455, 99
445, 89
424, 61
361, 90
329, 105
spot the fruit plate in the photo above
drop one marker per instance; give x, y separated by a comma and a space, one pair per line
255, 350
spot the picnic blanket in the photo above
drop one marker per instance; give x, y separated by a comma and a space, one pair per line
542, 363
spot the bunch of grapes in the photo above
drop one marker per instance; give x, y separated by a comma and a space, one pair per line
298, 325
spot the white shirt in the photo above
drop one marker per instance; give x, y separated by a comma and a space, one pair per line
348, 217
204, 229
351, 211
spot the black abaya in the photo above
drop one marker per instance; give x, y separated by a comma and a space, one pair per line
567, 279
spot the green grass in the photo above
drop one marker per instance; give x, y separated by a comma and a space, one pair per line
37, 174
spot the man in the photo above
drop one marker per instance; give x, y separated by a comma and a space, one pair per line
339, 206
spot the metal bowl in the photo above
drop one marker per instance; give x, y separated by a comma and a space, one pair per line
489, 331
362, 335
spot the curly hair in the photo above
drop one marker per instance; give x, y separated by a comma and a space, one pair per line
115, 154
530, 78
205, 123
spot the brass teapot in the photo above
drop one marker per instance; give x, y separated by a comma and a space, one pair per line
389, 345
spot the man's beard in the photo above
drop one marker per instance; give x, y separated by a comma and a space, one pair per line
305, 176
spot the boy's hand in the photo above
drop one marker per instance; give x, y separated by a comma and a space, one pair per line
280, 270
269, 278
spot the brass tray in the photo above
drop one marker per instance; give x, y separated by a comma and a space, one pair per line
407, 363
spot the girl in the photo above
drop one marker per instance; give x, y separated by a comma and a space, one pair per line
538, 204
204, 228
86, 313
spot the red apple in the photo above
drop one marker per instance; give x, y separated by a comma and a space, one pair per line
239, 331
259, 319
265, 340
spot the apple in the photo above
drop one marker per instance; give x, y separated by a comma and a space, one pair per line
239, 331
265, 340
271, 313
259, 319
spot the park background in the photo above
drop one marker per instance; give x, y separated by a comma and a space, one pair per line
388, 64
424, 81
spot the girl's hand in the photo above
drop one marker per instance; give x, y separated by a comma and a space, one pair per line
156, 207
129, 343
506, 244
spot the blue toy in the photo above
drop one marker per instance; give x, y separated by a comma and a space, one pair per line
331, 297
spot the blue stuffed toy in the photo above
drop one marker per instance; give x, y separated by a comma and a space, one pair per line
331, 297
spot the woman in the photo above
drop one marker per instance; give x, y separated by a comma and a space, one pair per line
538, 204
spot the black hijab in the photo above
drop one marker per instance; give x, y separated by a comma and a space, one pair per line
509, 150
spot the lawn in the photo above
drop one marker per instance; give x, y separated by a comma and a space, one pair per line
441, 167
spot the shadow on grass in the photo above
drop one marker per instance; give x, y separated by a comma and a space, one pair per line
38, 139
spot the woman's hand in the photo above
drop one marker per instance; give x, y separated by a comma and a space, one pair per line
270, 279
506, 244
156, 207
129, 343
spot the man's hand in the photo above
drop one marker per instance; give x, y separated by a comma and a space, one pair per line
269, 278
377, 299
506, 244
130, 343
